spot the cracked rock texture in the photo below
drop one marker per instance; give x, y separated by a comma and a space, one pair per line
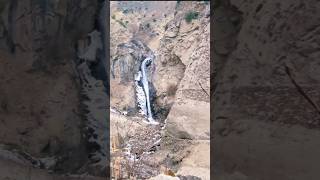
266, 104
189, 116
41, 114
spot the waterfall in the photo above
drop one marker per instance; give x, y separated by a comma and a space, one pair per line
143, 91
146, 86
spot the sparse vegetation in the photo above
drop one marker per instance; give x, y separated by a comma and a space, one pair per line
125, 11
178, 3
190, 16
122, 23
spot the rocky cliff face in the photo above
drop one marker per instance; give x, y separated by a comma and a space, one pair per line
180, 79
188, 120
134, 35
40, 50
185, 50
266, 57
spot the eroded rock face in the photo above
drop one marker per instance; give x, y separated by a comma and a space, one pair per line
142, 23
125, 65
266, 88
188, 51
41, 113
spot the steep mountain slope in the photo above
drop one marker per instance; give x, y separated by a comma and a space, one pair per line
179, 77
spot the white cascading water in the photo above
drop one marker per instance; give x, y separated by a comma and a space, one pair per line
143, 96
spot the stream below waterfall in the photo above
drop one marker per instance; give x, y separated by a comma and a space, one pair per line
138, 148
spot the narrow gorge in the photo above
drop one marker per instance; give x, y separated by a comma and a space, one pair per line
160, 90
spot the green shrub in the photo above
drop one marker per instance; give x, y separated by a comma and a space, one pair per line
125, 11
177, 5
122, 23
190, 16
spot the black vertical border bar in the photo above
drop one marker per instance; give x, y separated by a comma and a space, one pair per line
107, 58
212, 86
108, 73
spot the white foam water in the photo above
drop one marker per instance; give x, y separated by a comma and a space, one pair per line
143, 92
